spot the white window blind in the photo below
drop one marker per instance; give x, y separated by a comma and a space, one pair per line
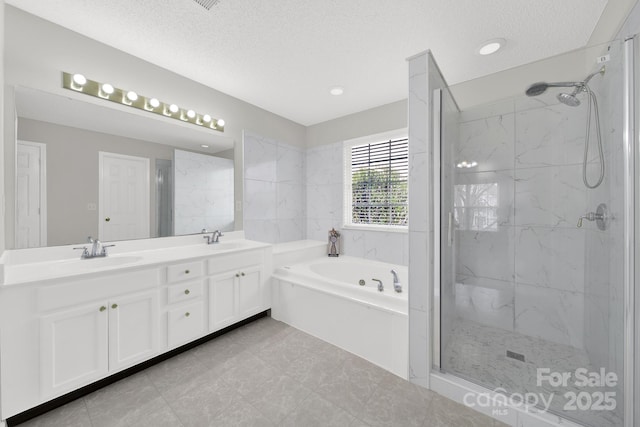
379, 183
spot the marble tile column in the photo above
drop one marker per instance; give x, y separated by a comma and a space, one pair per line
424, 78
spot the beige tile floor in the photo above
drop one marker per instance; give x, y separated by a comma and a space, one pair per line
263, 374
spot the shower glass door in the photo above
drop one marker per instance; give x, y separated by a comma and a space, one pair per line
531, 295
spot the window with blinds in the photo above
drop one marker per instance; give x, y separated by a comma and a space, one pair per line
379, 183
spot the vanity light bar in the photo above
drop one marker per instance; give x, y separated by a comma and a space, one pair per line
78, 83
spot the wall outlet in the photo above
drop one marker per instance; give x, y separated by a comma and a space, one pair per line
92, 207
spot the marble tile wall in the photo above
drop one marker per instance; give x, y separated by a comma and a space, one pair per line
533, 271
274, 190
203, 193
532, 258
325, 210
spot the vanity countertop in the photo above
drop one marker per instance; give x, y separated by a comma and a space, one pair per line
15, 273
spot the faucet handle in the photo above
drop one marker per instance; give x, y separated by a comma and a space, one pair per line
104, 249
90, 239
85, 251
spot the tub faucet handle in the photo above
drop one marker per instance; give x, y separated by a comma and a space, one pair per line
380, 285
396, 282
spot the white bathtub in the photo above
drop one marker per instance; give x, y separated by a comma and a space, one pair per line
323, 298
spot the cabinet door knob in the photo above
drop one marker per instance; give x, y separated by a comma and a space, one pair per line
187, 314
103, 308
242, 274
114, 306
186, 272
107, 219
187, 291
237, 275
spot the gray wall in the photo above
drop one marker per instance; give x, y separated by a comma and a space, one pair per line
369, 122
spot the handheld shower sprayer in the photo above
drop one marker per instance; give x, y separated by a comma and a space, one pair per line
571, 99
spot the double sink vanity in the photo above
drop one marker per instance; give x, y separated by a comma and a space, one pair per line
76, 321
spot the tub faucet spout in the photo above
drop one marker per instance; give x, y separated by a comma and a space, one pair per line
396, 282
380, 285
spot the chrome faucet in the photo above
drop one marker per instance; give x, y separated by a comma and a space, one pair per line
396, 282
380, 285
214, 238
97, 249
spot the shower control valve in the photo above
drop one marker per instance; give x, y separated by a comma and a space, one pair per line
599, 216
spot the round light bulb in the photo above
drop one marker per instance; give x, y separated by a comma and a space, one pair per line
132, 96
107, 88
220, 123
154, 103
79, 79
191, 114
174, 108
206, 118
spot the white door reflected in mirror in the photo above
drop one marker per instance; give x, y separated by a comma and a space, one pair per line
31, 190
124, 197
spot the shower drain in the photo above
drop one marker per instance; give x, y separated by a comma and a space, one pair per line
514, 355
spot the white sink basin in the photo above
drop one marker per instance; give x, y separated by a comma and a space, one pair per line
92, 263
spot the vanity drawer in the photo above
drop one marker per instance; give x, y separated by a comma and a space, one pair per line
184, 291
184, 271
185, 323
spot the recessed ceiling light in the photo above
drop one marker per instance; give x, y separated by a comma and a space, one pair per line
491, 46
204, 146
336, 91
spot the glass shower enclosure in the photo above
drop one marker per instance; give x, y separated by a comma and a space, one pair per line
530, 299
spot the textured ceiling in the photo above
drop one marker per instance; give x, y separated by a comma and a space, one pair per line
284, 56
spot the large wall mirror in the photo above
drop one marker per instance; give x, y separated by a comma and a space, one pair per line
88, 170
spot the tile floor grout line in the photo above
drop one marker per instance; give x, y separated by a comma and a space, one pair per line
86, 408
165, 401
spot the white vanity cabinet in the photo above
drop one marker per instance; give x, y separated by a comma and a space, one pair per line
186, 314
74, 347
63, 332
83, 344
237, 288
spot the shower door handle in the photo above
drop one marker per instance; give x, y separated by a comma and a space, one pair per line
450, 229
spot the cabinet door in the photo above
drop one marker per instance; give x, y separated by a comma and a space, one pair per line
133, 329
250, 289
223, 301
185, 323
73, 348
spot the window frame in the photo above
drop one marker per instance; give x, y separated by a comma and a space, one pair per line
347, 213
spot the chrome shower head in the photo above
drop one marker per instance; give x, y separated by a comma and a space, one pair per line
569, 99
541, 87
537, 89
